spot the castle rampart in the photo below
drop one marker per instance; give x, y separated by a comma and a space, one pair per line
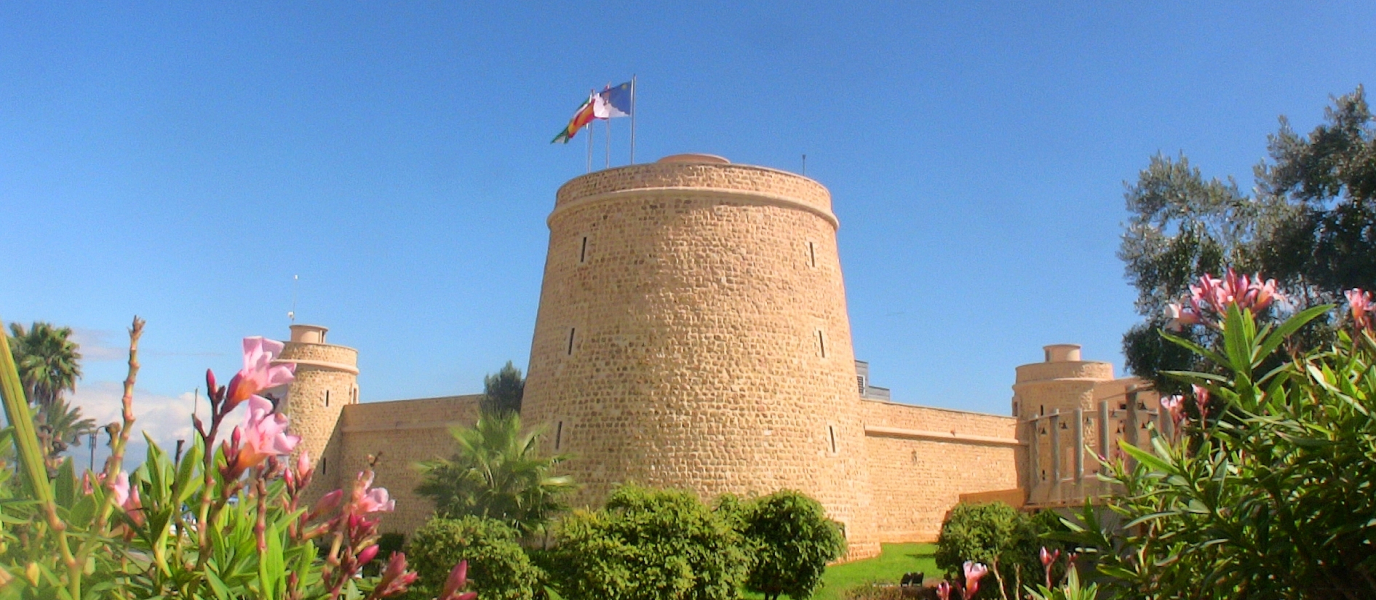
693, 333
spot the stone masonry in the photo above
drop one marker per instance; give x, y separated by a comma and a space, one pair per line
693, 333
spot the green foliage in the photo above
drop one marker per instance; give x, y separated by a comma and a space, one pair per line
48, 361
1070, 589
1311, 225
498, 569
221, 522
502, 392
996, 534
648, 545
1270, 496
792, 541
498, 473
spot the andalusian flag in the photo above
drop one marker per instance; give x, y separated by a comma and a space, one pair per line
585, 114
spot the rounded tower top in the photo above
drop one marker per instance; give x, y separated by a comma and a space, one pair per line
703, 175
308, 334
1062, 352
693, 157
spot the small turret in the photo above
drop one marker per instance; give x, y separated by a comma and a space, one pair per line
326, 381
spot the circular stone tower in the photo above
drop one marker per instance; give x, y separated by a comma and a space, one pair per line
326, 380
692, 333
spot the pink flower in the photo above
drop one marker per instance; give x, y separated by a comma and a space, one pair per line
1175, 405
395, 578
120, 488
1360, 303
1209, 299
458, 578
374, 500
1050, 558
1179, 317
259, 372
263, 434
973, 571
1201, 400
943, 590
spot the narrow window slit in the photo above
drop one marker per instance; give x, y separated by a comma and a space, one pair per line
571, 332
583, 253
831, 432
558, 435
811, 255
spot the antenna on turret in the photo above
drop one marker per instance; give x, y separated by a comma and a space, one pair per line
804, 165
291, 314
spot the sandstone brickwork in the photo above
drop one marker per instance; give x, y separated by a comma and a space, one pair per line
396, 435
326, 381
693, 333
922, 460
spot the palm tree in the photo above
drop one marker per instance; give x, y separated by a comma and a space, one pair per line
60, 425
48, 361
49, 364
497, 472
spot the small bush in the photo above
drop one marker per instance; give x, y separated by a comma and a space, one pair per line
792, 540
648, 545
889, 591
995, 534
498, 569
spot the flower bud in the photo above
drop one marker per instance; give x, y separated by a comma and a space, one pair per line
327, 503
368, 554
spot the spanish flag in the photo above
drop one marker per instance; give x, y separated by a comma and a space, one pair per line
586, 113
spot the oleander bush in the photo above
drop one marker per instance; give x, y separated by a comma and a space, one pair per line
226, 520
1268, 488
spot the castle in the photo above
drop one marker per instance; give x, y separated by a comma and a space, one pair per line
693, 333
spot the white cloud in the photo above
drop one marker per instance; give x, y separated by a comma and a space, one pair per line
100, 344
165, 419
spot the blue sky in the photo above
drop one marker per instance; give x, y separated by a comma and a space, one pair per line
183, 161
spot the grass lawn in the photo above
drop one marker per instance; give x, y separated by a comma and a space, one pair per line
893, 561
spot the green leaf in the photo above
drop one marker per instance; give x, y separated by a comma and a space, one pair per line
1291, 325
1146, 458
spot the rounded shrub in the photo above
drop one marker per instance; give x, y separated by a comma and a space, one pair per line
648, 545
792, 540
999, 536
498, 569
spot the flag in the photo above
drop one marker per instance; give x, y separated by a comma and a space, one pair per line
585, 114
617, 101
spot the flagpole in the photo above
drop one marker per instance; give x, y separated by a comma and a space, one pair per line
588, 128
609, 142
632, 118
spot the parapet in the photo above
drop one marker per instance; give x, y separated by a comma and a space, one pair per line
698, 174
308, 334
1063, 362
307, 348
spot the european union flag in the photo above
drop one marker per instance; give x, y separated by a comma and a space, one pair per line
618, 100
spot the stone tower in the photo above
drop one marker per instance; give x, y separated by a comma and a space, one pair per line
326, 381
693, 333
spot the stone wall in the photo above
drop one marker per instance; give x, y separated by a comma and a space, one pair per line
320, 391
397, 435
693, 333
921, 461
